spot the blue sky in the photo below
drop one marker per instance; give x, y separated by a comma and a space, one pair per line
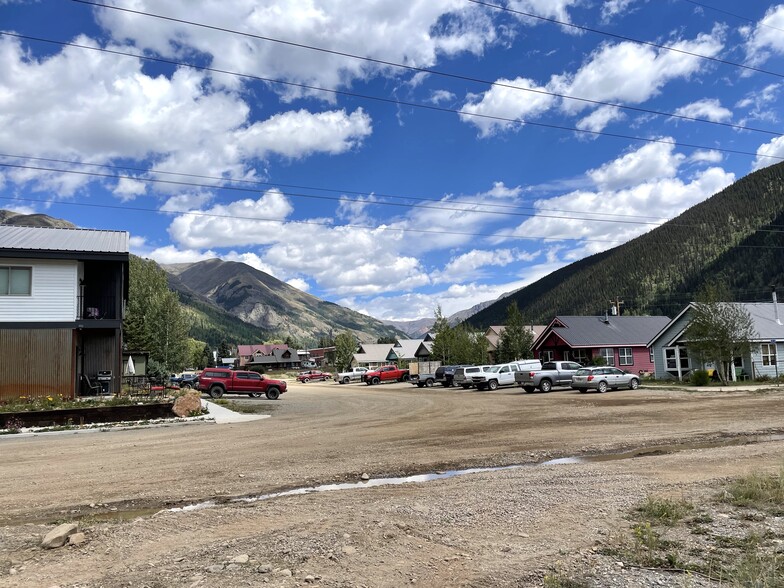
447, 189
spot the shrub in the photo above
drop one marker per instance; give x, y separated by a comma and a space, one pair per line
700, 378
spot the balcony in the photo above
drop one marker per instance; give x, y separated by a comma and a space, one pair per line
94, 308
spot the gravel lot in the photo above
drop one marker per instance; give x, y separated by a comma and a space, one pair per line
503, 528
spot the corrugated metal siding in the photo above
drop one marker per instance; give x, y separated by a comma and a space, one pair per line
102, 352
36, 363
58, 239
53, 298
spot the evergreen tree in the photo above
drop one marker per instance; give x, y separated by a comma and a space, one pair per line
224, 350
444, 335
516, 340
345, 347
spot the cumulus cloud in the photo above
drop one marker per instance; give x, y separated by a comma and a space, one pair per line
600, 118
507, 101
299, 284
612, 8
554, 9
128, 189
467, 266
706, 156
650, 162
707, 109
769, 153
414, 33
765, 38
441, 96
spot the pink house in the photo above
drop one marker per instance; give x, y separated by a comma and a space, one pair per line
621, 340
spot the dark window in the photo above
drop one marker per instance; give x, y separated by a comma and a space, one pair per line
549, 366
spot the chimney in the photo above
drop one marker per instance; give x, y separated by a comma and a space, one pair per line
775, 305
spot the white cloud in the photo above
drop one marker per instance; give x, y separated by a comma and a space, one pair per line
414, 33
554, 9
128, 189
706, 156
707, 109
187, 201
355, 210
649, 162
441, 96
760, 104
600, 118
467, 266
766, 38
505, 102
769, 153
612, 8
299, 284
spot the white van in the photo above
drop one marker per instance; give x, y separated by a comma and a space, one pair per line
503, 374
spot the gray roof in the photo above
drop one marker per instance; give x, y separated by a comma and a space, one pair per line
60, 239
594, 331
764, 316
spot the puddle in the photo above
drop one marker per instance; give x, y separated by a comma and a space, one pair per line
642, 452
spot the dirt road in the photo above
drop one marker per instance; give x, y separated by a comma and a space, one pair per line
500, 528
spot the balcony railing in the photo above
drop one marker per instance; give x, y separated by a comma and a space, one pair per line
97, 308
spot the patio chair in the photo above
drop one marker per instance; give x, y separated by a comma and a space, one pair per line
90, 387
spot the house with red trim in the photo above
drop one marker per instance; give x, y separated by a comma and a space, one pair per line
267, 356
621, 340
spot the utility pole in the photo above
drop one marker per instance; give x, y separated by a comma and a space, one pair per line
615, 305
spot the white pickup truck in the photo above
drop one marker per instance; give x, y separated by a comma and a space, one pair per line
553, 373
503, 374
353, 375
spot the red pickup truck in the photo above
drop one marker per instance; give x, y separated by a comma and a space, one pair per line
386, 373
219, 381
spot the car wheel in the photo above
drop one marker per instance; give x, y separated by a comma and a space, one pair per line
602, 387
429, 382
305, 380
492, 384
634, 384
273, 393
404, 378
529, 389
375, 380
346, 380
255, 394
545, 386
216, 392
185, 386
420, 384
465, 386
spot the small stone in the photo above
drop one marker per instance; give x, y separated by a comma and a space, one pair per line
284, 572
59, 535
349, 549
233, 567
523, 535
309, 579
77, 539
264, 569
619, 564
365, 477
215, 569
242, 475
241, 559
13, 571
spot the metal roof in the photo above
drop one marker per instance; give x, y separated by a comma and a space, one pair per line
594, 331
61, 239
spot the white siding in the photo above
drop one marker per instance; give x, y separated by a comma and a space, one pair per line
54, 291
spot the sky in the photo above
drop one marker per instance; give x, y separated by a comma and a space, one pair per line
387, 156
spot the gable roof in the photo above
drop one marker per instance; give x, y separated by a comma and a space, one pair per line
373, 352
598, 331
51, 239
246, 350
407, 348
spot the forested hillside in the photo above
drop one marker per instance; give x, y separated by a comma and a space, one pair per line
736, 235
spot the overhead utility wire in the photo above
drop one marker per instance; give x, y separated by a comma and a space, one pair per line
241, 189
300, 187
411, 104
433, 71
616, 36
746, 18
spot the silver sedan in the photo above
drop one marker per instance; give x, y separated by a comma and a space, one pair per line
602, 378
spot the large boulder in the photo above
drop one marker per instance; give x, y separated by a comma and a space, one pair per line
59, 535
188, 404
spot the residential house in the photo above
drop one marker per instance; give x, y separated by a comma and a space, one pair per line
621, 340
321, 356
409, 350
267, 357
670, 346
62, 297
493, 336
372, 355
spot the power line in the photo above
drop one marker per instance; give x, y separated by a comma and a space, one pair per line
433, 71
747, 19
267, 219
613, 35
414, 104
295, 186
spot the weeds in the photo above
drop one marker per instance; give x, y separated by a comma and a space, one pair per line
764, 492
664, 511
560, 580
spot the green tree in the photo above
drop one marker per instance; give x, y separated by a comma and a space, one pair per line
468, 347
195, 354
386, 340
154, 319
207, 359
719, 331
345, 347
444, 338
224, 350
516, 340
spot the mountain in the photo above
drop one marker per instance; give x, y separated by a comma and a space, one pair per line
275, 307
8, 217
415, 329
735, 237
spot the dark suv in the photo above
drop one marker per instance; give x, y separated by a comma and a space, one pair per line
446, 374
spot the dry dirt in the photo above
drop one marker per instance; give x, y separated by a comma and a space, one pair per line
501, 528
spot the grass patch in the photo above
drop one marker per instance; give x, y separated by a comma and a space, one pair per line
764, 492
662, 511
758, 570
561, 580
246, 408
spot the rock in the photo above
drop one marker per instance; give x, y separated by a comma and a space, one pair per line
187, 404
241, 559
215, 569
77, 539
309, 579
364, 477
59, 535
264, 569
283, 572
349, 550
232, 567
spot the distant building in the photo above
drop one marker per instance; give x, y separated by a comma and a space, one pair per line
269, 356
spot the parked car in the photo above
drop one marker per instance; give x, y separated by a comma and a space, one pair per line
188, 381
462, 375
386, 373
314, 375
502, 374
602, 378
445, 375
553, 373
422, 380
353, 375
220, 381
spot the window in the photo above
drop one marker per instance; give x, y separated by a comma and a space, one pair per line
671, 361
566, 355
650, 354
546, 355
608, 354
15, 281
625, 356
581, 356
768, 353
